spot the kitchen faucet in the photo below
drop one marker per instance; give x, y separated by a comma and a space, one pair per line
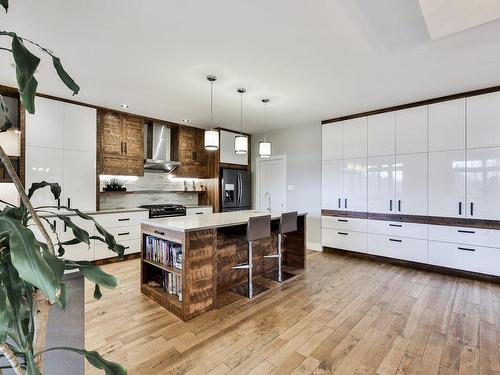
268, 196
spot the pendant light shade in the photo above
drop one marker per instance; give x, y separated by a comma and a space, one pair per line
211, 135
241, 141
265, 147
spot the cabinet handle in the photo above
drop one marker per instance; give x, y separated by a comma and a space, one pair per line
466, 249
471, 208
466, 231
395, 225
125, 219
460, 208
340, 202
127, 247
390, 205
399, 205
58, 203
394, 240
65, 227
160, 233
342, 233
125, 148
123, 234
345, 203
55, 226
343, 220
69, 202
121, 147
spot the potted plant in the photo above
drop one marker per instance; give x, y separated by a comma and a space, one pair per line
30, 270
114, 184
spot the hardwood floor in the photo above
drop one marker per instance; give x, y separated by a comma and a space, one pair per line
343, 315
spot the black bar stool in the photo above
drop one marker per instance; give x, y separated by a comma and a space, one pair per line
258, 228
288, 223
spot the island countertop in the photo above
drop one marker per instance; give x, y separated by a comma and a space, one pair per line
209, 221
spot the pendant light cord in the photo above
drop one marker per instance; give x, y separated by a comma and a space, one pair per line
211, 105
241, 113
265, 121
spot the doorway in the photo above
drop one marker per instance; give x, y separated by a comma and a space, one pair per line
271, 183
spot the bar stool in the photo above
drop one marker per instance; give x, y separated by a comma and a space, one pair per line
258, 228
288, 223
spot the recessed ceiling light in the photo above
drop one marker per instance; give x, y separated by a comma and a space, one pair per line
185, 120
124, 105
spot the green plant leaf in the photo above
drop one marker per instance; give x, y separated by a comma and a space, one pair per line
31, 368
5, 4
55, 188
98, 276
5, 314
64, 297
26, 64
97, 292
67, 80
3, 107
27, 259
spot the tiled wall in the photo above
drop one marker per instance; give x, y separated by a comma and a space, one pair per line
156, 182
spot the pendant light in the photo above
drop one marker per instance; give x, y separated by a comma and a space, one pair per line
211, 135
241, 141
265, 145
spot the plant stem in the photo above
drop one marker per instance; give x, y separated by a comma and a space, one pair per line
11, 357
41, 311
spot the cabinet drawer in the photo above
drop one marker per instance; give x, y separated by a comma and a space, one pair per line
465, 257
130, 232
470, 236
395, 228
344, 223
346, 240
411, 249
102, 252
124, 219
198, 211
80, 251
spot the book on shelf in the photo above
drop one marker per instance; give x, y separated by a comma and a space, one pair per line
164, 252
172, 284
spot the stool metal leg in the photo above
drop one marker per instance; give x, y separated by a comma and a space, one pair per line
279, 275
250, 269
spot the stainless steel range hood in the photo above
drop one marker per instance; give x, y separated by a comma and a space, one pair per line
157, 148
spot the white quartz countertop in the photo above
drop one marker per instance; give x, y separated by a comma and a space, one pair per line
209, 221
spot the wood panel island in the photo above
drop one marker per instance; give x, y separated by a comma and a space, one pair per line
187, 261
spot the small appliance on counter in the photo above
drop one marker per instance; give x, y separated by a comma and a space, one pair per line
164, 210
236, 190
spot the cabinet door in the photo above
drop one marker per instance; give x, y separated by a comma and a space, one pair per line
79, 180
46, 127
411, 184
446, 184
483, 183
355, 138
411, 130
111, 133
79, 128
381, 184
381, 134
80, 251
355, 185
44, 164
483, 120
447, 125
332, 184
332, 146
133, 137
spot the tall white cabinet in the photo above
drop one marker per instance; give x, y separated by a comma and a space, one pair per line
61, 147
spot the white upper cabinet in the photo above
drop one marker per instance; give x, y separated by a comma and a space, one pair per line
332, 143
79, 178
483, 120
447, 125
381, 134
45, 128
355, 185
381, 184
355, 138
227, 154
79, 128
411, 184
483, 183
411, 130
446, 183
332, 184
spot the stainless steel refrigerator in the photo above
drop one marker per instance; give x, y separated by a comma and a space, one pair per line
236, 190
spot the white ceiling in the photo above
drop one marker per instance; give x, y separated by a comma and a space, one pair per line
314, 59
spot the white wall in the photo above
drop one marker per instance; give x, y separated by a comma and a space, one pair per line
302, 147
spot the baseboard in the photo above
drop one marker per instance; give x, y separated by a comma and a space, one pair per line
314, 246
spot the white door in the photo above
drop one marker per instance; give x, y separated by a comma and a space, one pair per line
79, 180
355, 185
483, 183
332, 141
447, 183
332, 184
355, 138
381, 184
411, 184
483, 120
271, 183
79, 128
381, 134
447, 125
45, 127
44, 164
411, 130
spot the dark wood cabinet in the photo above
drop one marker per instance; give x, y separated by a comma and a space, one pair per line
120, 144
188, 148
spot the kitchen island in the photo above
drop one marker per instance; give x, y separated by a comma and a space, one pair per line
187, 261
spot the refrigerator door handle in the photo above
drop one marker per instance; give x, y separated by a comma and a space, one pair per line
238, 190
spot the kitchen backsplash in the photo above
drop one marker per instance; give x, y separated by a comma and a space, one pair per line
152, 188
